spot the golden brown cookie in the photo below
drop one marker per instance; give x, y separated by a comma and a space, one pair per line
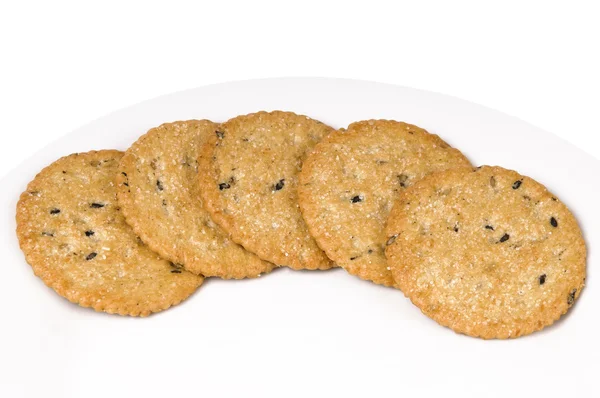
248, 175
487, 252
75, 238
349, 182
157, 190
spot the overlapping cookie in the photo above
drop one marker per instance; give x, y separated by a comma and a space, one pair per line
487, 252
158, 194
350, 180
248, 175
76, 240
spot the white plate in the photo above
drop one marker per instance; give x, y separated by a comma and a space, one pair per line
299, 333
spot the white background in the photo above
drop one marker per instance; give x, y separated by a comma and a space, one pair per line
65, 63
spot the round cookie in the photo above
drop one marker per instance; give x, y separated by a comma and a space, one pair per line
76, 240
487, 252
158, 193
349, 182
248, 175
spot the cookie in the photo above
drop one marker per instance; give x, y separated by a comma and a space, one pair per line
157, 192
76, 240
487, 252
248, 176
349, 182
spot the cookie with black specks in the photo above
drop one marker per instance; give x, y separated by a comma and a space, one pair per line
76, 240
248, 175
157, 189
487, 252
349, 182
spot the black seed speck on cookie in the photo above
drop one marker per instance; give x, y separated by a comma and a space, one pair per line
47, 234
177, 267
571, 298
54, 211
89, 233
517, 184
356, 199
224, 185
542, 279
504, 238
279, 185
489, 227
125, 174
91, 256
96, 205
159, 185
553, 222
391, 240
220, 134
402, 178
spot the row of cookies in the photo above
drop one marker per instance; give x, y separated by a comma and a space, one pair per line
75, 238
485, 251
126, 233
233, 200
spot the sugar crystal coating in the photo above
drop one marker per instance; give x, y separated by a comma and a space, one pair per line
158, 193
350, 181
248, 175
86, 252
503, 281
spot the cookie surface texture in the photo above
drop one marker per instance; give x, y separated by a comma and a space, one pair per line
349, 182
487, 252
248, 175
158, 194
76, 240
